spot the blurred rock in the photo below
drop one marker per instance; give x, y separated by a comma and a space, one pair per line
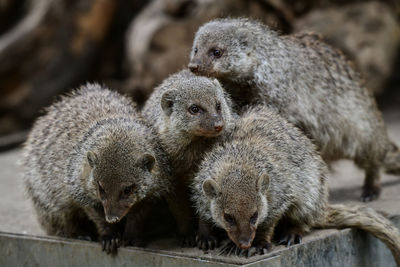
160, 37
368, 33
49, 50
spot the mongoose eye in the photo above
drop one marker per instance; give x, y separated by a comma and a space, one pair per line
253, 219
229, 219
193, 109
218, 106
101, 191
217, 53
195, 50
128, 190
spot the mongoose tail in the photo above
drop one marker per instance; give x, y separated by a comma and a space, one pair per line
365, 218
392, 160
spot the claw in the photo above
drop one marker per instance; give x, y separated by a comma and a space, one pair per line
231, 249
290, 239
188, 241
110, 244
298, 239
252, 251
207, 242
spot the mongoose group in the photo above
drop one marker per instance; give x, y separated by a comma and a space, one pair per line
94, 163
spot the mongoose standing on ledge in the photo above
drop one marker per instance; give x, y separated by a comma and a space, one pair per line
308, 82
91, 158
190, 113
267, 172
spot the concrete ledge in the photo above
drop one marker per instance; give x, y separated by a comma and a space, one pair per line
321, 248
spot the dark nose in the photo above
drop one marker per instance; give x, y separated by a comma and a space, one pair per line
112, 218
194, 67
218, 128
244, 244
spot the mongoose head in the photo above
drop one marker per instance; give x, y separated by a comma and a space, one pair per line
225, 48
121, 176
238, 203
196, 105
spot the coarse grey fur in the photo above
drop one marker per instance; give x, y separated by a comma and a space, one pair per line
180, 132
186, 136
262, 147
93, 137
266, 171
308, 82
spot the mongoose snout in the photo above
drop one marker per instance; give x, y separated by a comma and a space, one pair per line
194, 67
114, 212
243, 238
218, 128
201, 68
211, 125
112, 218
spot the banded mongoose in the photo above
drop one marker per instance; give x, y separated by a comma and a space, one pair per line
190, 113
92, 157
308, 82
268, 171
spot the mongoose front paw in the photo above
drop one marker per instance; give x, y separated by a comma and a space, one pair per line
370, 193
289, 239
260, 248
206, 242
110, 244
188, 241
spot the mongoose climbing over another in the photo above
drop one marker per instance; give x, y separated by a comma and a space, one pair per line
267, 171
189, 113
308, 82
92, 158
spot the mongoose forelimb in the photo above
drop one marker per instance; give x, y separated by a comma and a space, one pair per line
308, 82
92, 157
190, 113
267, 171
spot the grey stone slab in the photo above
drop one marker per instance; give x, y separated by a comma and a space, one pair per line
24, 250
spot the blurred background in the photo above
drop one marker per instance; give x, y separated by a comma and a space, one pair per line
48, 47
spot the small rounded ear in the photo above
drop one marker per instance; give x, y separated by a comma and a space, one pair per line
263, 183
211, 188
244, 39
167, 101
147, 161
92, 158
216, 83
